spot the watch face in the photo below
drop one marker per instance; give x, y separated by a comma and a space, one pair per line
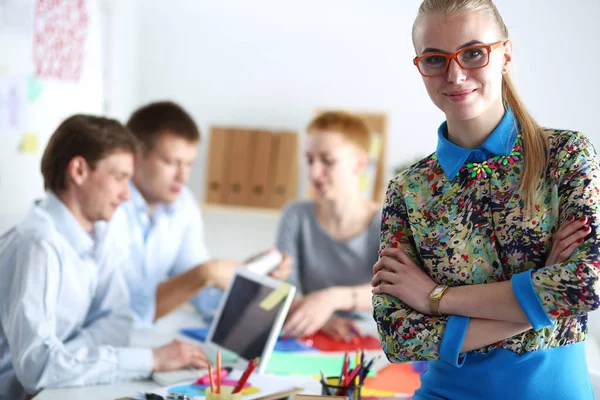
437, 291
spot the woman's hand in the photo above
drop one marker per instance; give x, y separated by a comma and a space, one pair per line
309, 314
568, 237
341, 329
397, 274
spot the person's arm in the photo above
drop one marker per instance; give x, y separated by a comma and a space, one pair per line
109, 319
179, 289
288, 241
408, 335
184, 287
350, 298
29, 317
567, 288
193, 268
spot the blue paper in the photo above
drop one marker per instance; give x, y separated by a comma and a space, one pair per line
283, 344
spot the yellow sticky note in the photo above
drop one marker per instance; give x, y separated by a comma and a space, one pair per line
275, 297
29, 143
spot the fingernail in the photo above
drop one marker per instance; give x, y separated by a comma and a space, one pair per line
588, 229
580, 240
584, 219
571, 218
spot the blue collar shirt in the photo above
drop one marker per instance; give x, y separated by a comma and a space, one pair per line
64, 315
159, 245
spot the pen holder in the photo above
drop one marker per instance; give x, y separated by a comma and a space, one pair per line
333, 388
224, 395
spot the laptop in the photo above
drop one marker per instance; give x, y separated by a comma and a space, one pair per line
249, 319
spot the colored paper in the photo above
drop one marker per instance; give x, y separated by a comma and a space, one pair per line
275, 297
282, 344
60, 33
199, 389
322, 342
305, 364
29, 143
397, 378
13, 105
35, 89
258, 386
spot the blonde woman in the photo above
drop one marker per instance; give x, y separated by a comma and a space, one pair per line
473, 274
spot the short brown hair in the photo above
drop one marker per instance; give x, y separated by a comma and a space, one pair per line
88, 136
348, 125
152, 120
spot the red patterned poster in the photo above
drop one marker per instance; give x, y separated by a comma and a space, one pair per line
60, 32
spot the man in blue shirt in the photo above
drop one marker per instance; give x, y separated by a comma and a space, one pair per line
161, 227
64, 315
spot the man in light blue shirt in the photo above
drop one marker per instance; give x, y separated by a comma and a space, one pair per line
161, 227
64, 315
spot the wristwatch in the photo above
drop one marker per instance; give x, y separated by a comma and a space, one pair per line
434, 299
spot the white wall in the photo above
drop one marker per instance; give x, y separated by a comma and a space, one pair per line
271, 63
20, 177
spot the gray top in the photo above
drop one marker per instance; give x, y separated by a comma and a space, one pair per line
318, 260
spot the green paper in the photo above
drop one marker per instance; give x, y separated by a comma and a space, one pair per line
284, 363
35, 89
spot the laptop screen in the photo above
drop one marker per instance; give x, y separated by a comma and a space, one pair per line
244, 326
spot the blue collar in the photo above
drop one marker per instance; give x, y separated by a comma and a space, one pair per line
66, 224
500, 143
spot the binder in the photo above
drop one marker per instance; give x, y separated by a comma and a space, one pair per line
260, 160
238, 188
218, 163
284, 169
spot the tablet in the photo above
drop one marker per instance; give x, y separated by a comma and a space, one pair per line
250, 316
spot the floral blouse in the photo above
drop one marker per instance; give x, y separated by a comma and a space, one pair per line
472, 229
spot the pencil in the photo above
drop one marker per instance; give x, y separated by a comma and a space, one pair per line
357, 364
212, 379
218, 371
240, 384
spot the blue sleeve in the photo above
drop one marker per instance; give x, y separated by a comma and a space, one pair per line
528, 299
454, 336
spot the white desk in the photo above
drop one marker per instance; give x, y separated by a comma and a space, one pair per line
163, 332
167, 329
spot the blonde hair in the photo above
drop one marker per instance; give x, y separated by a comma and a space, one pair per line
351, 127
534, 140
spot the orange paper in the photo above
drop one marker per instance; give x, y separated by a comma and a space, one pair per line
397, 378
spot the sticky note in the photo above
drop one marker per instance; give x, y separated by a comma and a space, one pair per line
35, 89
29, 143
275, 297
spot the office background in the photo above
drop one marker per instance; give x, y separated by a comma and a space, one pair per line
270, 64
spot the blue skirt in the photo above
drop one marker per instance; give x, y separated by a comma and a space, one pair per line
559, 373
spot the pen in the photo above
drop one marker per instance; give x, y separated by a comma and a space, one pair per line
325, 383
251, 365
342, 374
355, 372
218, 369
356, 366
